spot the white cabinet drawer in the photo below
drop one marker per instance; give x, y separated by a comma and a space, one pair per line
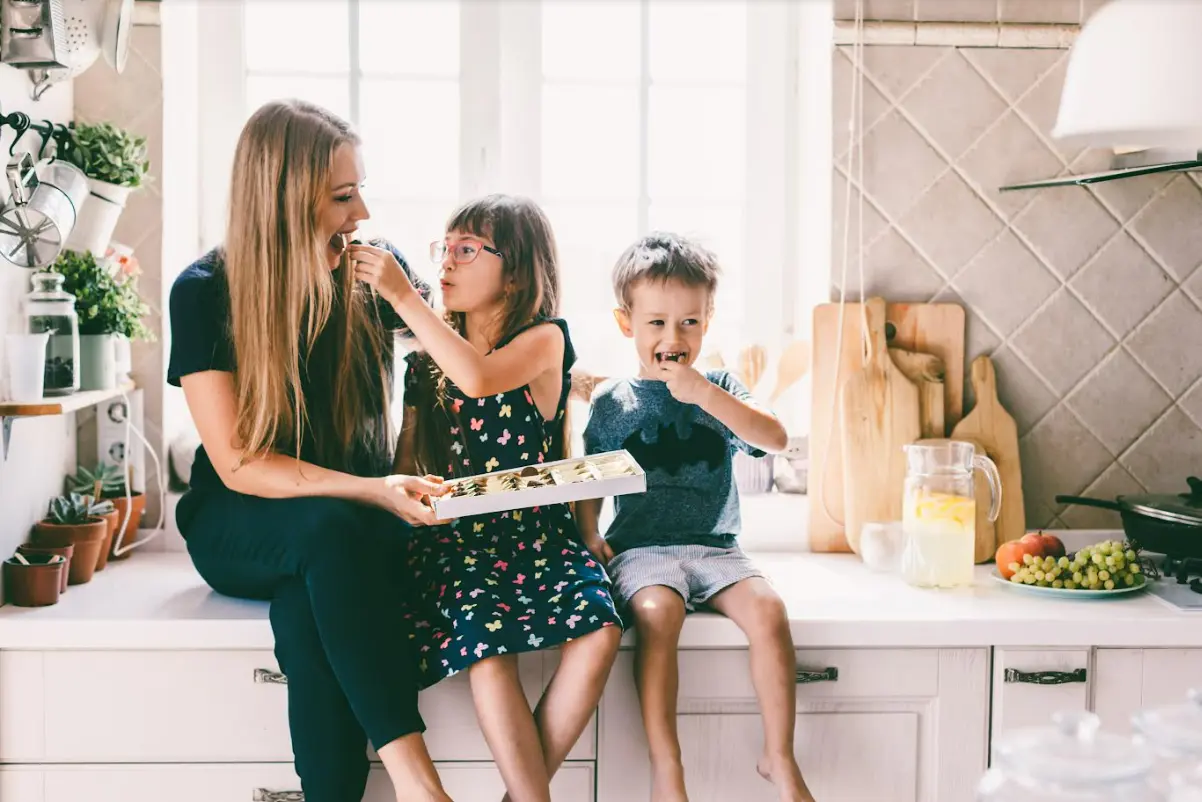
247, 783
1030, 684
834, 673
178, 706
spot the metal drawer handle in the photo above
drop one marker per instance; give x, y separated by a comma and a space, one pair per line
829, 674
271, 678
1045, 677
263, 795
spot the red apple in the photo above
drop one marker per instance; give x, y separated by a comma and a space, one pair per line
1013, 551
1052, 546
1034, 543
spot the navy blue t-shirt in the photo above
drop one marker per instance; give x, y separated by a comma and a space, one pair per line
687, 454
201, 338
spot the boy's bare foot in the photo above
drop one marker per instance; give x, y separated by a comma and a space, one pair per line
667, 783
784, 773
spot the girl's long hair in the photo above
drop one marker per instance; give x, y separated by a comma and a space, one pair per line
521, 232
313, 366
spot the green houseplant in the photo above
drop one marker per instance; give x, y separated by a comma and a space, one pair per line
110, 154
108, 306
107, 483
69, 520
116, 162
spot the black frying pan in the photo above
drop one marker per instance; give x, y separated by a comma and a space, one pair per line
1166, 524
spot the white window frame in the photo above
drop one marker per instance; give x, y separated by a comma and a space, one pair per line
788, 184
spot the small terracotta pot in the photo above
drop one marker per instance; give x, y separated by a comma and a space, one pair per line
66, 552
137, 506
87, 538
35, 585
114, 522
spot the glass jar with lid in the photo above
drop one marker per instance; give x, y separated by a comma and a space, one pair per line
1069, 761
50, 308
1174, 734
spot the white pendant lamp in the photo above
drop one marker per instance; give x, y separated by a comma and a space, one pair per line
1135, 77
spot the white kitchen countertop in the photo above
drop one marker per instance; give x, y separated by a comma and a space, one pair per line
157, 601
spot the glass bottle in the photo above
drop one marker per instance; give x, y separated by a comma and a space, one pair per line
50, 308
1070, 761
939, 512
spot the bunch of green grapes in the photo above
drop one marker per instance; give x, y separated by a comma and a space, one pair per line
1108, 565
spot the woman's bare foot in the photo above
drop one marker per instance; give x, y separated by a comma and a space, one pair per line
784, 773
667, 783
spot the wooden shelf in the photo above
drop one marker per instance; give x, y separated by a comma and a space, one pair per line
56, 405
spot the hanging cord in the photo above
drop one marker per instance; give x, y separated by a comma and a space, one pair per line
855, 155
121, 547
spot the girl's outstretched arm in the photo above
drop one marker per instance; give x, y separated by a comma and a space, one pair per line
528, 356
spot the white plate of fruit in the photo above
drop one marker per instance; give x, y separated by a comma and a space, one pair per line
1038, 563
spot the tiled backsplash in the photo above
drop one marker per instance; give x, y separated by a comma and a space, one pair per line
1087, 298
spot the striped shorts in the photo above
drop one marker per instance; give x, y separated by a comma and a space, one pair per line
697, 573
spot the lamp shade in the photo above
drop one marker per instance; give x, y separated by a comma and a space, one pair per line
1135, 77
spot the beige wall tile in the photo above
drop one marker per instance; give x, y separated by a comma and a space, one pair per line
1040, 11
957, 10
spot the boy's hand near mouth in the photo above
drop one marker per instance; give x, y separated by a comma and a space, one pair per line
685, 384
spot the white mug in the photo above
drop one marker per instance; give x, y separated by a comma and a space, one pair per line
26, 366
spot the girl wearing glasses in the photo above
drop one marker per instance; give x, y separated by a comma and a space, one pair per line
489, 393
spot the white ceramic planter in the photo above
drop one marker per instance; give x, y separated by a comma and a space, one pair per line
97, 362
124, 357
98, 217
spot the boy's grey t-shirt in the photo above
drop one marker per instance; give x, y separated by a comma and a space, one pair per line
687, 455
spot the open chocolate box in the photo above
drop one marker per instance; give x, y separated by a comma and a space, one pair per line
613, 473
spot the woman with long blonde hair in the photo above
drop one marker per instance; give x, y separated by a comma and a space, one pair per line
286, 364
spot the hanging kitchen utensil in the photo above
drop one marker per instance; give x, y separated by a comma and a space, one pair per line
1161, 523
43, 205
32, 34
118, 27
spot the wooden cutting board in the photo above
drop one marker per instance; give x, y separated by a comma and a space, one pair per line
880, 415
926, 371
936, 329
991, 426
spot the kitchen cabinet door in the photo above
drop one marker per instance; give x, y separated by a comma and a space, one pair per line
1031, 684
875, 725
1128, 680
845, 757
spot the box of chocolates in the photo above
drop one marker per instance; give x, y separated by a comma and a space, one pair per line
613, 473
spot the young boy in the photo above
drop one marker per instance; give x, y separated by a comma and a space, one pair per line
675, 546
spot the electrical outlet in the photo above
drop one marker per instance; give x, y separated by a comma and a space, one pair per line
111, 445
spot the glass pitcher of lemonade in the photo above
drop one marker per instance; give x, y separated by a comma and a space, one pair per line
939, 511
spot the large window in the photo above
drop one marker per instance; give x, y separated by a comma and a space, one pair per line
618, 116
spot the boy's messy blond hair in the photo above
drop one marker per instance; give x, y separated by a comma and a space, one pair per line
663, 256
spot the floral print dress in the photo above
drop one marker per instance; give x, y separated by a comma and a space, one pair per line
508, 582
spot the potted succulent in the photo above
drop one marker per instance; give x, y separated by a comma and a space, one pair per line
116, 163
33, 580
106, 509
113, 485
108, 306
70, 520
66, 552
